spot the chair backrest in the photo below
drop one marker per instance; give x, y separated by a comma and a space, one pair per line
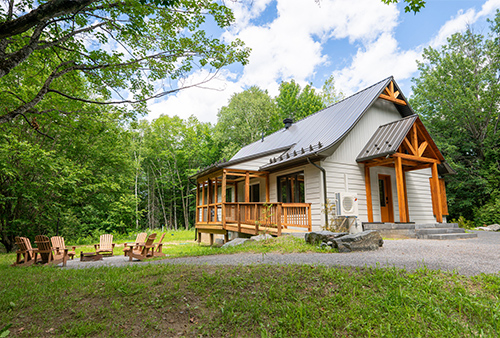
43, 243
105, 242
57, 242
161, 238
27, 243
151, 239
141, 237
20, 244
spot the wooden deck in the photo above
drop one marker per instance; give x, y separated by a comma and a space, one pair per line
253, 218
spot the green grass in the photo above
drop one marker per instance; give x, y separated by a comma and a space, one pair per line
244, 301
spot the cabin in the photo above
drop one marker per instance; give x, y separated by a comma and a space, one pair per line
367, 157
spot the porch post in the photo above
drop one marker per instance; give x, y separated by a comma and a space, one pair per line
223, 198
197, 212
247, 187
368, 187
209, 199
436, 193
403, 217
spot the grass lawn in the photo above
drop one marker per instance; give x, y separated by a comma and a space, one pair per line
244, 301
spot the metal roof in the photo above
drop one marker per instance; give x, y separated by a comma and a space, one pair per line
322, 130
386, 139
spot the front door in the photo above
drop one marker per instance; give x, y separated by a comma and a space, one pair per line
385, 193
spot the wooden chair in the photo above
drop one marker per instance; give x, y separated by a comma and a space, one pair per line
25, 253
58, 245
157, 250
144, 250
48, 254
105, 245
141, 238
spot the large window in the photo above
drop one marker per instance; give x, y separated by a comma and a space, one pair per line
255, 193
291, 188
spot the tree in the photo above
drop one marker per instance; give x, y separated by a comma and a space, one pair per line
295, 103
244, 120
329, 94
458, 96
115, 46
411, 5
172, 150
74, 184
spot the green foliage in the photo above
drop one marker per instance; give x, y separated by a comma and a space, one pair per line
458, 95
295, 103
244, 120
114, 47
490, 212
329, 94
414, 6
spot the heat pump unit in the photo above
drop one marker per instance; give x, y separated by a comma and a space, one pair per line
347, 204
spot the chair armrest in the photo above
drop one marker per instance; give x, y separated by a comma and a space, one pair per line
96, 246
74, 248
113, 245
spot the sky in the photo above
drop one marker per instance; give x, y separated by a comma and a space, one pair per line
359, 42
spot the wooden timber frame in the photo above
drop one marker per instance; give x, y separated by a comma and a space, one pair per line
216, 215
417, 151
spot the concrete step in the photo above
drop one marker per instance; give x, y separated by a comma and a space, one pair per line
388, 226
435, 225
451, 236
424, 233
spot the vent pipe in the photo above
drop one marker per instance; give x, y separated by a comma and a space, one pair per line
288, 122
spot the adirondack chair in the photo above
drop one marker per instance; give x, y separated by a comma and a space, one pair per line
48, 254
157, 250
25, 253
58, 245
141, 238
144, 250
105, 245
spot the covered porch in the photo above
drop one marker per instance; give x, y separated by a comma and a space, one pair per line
405, 146
239, 201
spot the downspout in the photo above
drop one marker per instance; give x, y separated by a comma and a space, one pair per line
325, 199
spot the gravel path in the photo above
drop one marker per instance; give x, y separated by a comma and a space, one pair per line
466, 257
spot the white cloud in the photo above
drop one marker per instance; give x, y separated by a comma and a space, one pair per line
204, 101
378, 60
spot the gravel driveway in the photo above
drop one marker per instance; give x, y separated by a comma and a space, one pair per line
466, 257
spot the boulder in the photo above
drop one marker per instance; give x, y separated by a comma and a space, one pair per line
362, 241
261, 237
492, 227
235, 242
317, 237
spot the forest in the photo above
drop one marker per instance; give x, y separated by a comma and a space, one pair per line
77, 157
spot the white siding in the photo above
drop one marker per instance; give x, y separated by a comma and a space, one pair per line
419, 196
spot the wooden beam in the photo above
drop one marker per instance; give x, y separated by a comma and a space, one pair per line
422, 147
436, 193
416, 158
393, 100
401, 190
418, 167
372, 163
410, 147
368, 188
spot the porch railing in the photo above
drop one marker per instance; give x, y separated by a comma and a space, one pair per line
253, 218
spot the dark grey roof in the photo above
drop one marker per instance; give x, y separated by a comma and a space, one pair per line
322, 130
386, 139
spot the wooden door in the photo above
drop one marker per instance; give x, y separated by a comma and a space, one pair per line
385, 193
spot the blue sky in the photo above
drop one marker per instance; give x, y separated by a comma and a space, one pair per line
359, 42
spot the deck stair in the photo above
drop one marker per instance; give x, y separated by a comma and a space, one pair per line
440, 231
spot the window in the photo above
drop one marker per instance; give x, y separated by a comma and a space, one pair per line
255, 193
291, 188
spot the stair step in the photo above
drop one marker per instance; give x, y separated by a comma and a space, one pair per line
435, 225
451, 236
430, 231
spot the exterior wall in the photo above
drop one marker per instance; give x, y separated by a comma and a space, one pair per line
345, 175
312, 186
